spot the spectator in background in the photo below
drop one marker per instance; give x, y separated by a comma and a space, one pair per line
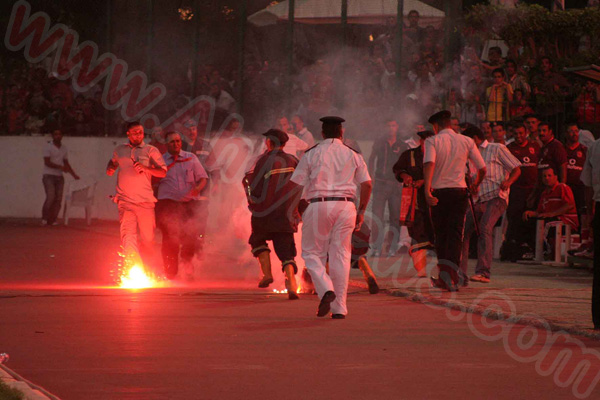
17, 117
302, 132
576, 154
478, 84
516, 80
55, 163
498, 97
494, 59
195, 144
455, 124
294, 145
553, 153
486, 128
587, 104
223, 100
490, 203
498, 133
519, 107
549, 91
413, 30
532, 123
519, 234
556, 201
386, 190
453, 105
472, 110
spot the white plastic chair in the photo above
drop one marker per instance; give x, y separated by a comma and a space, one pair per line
80, 193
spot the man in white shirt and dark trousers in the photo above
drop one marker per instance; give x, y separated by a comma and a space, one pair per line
444, 168
55, 163
328, 173
179, 205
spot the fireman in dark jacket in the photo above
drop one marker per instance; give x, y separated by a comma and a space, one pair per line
273, 200
409, 170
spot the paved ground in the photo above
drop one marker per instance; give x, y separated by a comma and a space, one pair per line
222, 338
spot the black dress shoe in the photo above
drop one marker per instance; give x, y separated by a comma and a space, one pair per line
338, 316
325, 304
441, 284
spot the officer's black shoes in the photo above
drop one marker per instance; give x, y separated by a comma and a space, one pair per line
440, 284
373, 287
265, 282
338, 316
325, 304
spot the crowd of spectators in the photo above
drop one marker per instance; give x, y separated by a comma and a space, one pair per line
358, 82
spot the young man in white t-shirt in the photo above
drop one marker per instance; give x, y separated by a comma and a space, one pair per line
55, 163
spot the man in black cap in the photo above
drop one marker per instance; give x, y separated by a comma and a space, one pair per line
409, 170
444, 168
329, 173
273, 201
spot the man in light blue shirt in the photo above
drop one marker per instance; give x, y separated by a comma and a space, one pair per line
179, 201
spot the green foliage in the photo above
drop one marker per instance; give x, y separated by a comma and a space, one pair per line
557, 34
8, 393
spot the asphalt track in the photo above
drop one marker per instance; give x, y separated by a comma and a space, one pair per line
224, 339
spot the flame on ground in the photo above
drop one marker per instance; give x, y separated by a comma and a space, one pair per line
136, 278
132, 275
284, 291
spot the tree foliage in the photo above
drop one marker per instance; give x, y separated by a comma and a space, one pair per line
570, 37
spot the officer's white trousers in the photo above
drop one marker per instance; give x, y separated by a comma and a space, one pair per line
327, 230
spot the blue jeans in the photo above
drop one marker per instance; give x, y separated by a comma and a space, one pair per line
53, 186
487, 213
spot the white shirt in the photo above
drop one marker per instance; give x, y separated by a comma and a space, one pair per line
590, 175
306, 137
450, 152
294, 146
57, 156
586, 138
499, 163
134, 187
330, 169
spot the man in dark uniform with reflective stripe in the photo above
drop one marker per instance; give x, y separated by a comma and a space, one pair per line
273, 201
409, 170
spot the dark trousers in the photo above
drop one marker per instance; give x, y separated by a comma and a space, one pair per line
390, 193
596, 284
519, 231
53, 186
283, 243
448, 218
180, 227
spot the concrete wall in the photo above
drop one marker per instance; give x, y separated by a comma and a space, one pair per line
21, 164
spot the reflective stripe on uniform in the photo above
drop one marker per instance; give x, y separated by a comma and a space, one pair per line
278, 171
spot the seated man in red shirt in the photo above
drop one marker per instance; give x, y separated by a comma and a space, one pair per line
556, 202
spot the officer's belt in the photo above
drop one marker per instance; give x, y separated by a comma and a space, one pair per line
318, 199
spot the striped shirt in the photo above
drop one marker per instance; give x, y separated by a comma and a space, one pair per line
499, 162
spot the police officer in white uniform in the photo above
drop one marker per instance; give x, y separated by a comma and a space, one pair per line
329, 173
